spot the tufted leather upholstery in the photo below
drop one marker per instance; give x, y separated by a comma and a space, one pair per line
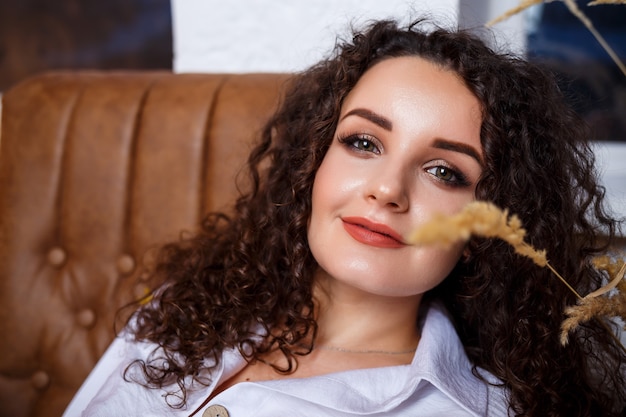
95, 169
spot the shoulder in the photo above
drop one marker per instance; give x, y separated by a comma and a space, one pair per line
106, 392
108, 372
116, 388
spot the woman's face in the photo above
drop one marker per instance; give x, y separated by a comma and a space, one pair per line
407, 145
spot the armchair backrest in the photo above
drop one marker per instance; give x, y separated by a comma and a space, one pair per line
95, 169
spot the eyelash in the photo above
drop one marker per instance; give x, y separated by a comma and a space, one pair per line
460, 180
352, 141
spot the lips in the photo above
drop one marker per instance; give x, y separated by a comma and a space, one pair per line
372, 234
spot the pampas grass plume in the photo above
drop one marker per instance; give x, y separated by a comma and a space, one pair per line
478, 218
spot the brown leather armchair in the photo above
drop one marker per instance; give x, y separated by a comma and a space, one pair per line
95, 169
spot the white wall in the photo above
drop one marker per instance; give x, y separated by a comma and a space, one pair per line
290, 35
509, 34
611, 158
277, 35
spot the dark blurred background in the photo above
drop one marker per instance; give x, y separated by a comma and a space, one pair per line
592, 82
37, 35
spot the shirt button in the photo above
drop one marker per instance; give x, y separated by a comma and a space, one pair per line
215, 411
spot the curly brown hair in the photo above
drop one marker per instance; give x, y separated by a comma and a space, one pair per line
252, 273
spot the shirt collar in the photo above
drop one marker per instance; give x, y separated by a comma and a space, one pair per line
439, 360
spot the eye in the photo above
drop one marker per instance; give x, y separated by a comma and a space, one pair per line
449, 176
362, 143
444, 173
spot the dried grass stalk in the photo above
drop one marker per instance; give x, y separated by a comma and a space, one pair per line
617, 278
599, 303
598, 2
524, 4
484, 219
478, 218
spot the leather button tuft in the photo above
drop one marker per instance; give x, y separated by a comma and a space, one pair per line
57, 256
86, 318
125, 264
215, 411
40, 379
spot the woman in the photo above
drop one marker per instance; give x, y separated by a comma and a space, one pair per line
310, 301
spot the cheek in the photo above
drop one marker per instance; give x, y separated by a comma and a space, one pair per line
318, 195
318, 199
331, 183
433, 264
341, 174
450, 259
328, 197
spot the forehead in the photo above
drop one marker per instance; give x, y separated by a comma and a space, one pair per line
418, 96
412, 76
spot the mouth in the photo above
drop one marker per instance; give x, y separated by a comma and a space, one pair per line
372, 234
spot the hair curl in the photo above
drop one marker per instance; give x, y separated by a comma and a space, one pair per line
254, 270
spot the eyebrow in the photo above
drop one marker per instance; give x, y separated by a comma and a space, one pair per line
438, 143
458, 147
372, 117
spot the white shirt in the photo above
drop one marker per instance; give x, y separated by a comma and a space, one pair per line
438, 382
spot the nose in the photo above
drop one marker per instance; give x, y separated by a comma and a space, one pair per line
388, 188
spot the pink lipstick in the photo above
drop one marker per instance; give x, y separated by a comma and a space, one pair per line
373, 234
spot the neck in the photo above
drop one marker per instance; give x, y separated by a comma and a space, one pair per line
352, 320
367, 351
